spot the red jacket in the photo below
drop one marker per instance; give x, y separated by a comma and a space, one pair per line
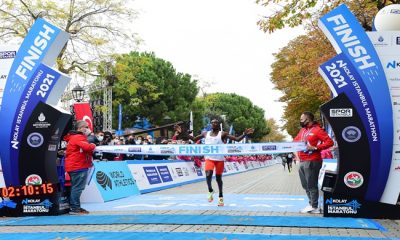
315, 136
78, 154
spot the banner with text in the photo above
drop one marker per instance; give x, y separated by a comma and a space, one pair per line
348, 37
41, 45
205, 149
109, 181
387, 44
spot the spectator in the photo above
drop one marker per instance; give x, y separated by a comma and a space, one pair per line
149, 139
107, 141
139, 140
78, 159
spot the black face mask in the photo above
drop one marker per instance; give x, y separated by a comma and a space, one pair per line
303, 124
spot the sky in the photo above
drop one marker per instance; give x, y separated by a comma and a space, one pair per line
216, 41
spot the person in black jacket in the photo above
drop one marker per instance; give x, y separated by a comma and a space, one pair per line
107, 141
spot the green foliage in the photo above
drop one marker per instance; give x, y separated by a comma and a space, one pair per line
290, 13
96, 27
150, 87
238, 111
294, 13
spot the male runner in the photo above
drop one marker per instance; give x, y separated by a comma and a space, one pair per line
216, 136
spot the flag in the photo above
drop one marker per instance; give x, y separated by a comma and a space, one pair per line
230, 132
83, 112
191, 123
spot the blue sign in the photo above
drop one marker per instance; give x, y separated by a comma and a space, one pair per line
199, 172
164, 173
342, 77
348, 36
114, 180
38, 89
42, 43
152, 175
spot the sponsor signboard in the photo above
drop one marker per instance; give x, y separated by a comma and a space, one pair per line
391, 66
29, 77
352, 43
341, 112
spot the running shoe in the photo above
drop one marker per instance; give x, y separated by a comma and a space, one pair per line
210, 196
315, 211
220, 202
80, 211
84, 211
307, 209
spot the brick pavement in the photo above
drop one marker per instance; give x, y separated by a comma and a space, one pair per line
271, 180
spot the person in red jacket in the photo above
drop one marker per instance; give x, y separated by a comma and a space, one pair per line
78, 159
316, 140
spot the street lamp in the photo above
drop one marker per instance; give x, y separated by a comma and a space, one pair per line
78, 93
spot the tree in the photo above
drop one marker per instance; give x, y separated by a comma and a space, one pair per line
238, 111
274, 135
96, 27
150, 87
294, 71
295, 12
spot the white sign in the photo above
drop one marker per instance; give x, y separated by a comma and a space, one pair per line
341, 112
387, 45
7, 55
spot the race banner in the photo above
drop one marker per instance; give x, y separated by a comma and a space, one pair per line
342, 77
387, 44
348, 37
41, 45
205, 149
38, 89
83, 112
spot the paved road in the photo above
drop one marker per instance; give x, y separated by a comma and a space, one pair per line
271, 180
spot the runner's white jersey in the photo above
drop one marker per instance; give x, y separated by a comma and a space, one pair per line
214, 140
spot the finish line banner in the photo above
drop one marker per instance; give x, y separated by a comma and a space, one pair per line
39, 50
205, 149
349, 38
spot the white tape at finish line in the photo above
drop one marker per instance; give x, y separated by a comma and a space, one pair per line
209, 149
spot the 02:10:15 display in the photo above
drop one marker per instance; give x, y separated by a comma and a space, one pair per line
27, 190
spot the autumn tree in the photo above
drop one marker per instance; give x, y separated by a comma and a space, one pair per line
150, 87
297, 12
275, 135
294, 71
96, 27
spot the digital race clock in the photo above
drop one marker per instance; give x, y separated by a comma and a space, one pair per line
26, 190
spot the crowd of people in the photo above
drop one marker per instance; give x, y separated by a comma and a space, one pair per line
81, 143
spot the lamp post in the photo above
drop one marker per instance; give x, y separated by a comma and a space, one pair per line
78, 93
